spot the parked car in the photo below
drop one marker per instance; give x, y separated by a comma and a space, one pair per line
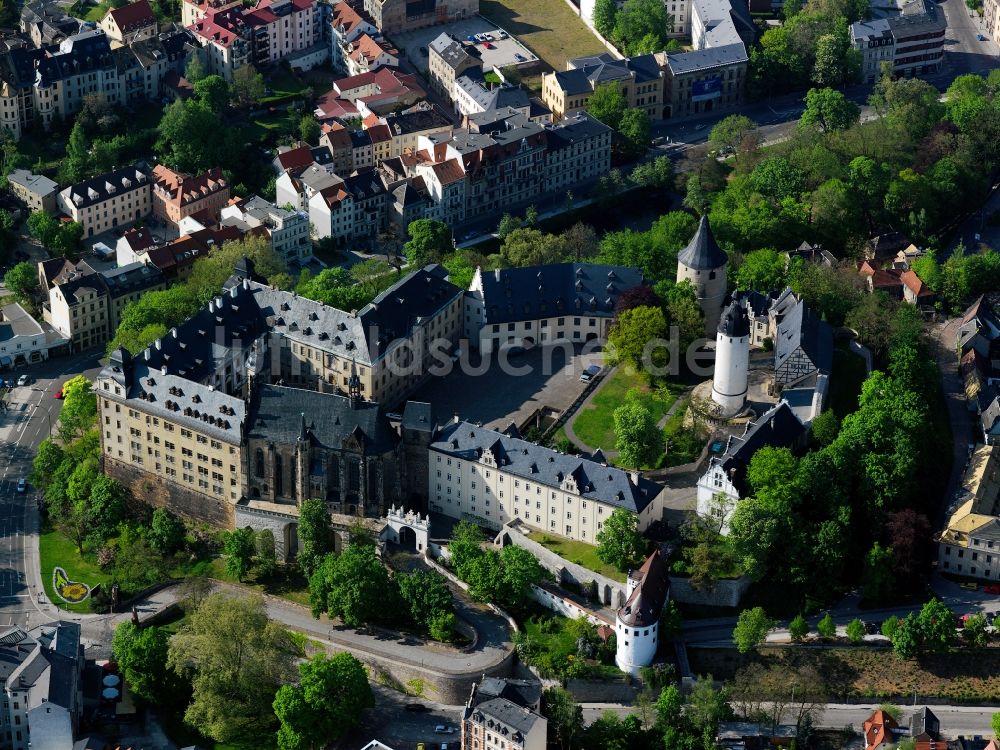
502, 34
590, 373
980, 38
22, 486
872, 627
58, 394
967, 585
23, 380
488, 45
519, 57
444, 729
416, 707
992, 588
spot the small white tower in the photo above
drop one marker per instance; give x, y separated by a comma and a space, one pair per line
637, 623
703, 263
732, 359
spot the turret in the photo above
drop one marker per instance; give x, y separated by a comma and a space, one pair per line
703, 263
732, 360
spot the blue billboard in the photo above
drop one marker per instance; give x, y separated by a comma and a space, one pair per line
710, 88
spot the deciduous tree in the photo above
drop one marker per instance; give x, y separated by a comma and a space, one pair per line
430, 240
239, 550
751, 629
619, 542
637, 438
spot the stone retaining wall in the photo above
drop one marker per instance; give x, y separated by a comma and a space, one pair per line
603, 691
727, 593
610, 593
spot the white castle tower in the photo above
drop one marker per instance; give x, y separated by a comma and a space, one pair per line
637, 623
732, 358
703, 263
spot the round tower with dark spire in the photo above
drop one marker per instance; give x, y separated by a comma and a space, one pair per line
703, 263
732, 360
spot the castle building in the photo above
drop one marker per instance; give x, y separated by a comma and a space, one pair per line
492, 478
637, 623
703, 263
732, 357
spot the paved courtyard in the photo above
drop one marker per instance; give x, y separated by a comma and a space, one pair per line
504, 52
496, 398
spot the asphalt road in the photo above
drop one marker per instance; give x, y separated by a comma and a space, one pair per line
32, 411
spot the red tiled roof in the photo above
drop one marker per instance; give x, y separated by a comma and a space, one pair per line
337, 135
138, 239
912, 282
184, 188
218, 26
330, 105
348, 16
133, 16
877, 729
334, 194
448, 172
369, 48
379, 133
295, 159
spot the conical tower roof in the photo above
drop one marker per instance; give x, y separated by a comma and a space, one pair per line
734, 321
703, 252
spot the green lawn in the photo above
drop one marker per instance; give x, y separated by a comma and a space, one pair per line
96, 13
580, 553
548, 27
595, 424
284, 85
56, 550
685, 445
288, 582
845, 381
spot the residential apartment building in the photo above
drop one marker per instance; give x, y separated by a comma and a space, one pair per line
970, 542
380, 92
46, 23
906, 34
41, 671
578, 150
355, 207
232, 36
502, 713
367, 54
287, 230
36, 191
297, 187
544, 305
108, 201
177, 195
84, 306
195, 10
22, 339
491, 478
398, 16
639, 78
448, 60
130, 23
347, 22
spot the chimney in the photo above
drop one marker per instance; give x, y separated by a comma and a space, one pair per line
158, 344
163, 370
634, 477
496, 274
173, 332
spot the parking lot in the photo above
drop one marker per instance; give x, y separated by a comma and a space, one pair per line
497, 396
390, 723
500, 54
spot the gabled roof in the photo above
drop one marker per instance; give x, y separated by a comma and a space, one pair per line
802, 328
878, 730
134, 16
776, 428
912, 282
703, 252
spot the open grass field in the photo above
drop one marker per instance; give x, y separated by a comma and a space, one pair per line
288, 582
577, 552
963, 676
56, 550
594, 424
548, 27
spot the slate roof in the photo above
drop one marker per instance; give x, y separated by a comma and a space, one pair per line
282, 414
776, 428
605, 484
645, 603
455, 54
734, 321
497, 97
703, 252
708, 58
525, 693
418, 415
802, 328
38, 184
97, 189
533, 292
132, 278
572, 129
15, 321
416, 120
509, 718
